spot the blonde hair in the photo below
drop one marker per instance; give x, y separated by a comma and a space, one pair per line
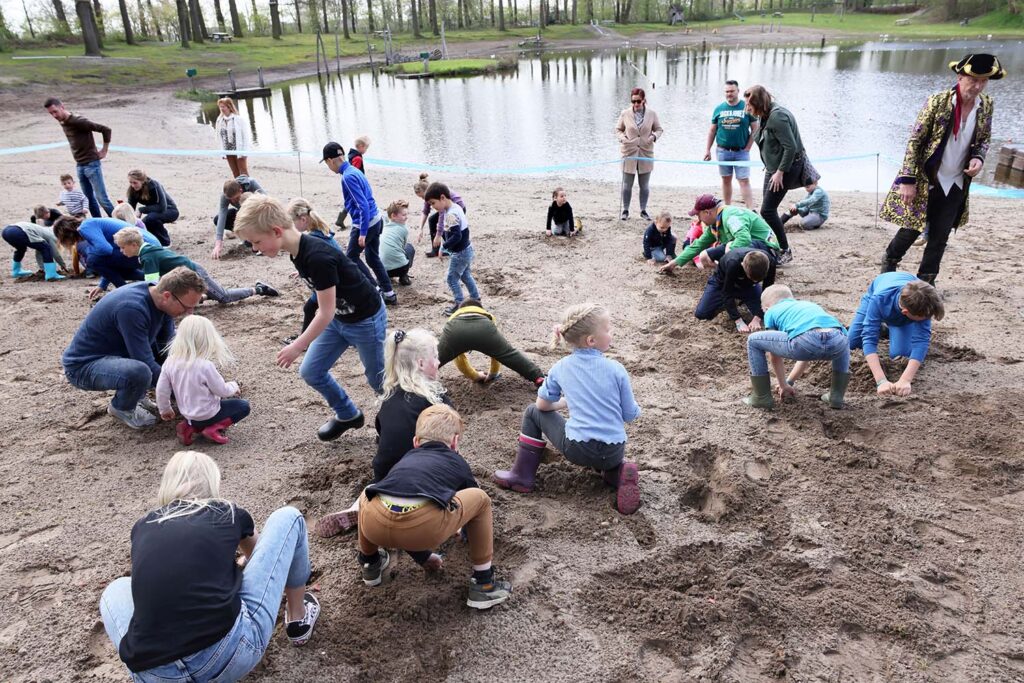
420, 187
438, 423
663, 216
396, 206
41, 211
190, 483
774, 294
229, 103
299, 207
921, 299
363, 140
197, 339
125, 212
261, 214
578, 322
126, 236
402, 351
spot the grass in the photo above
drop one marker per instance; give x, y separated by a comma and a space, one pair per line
456, 67
1000, 23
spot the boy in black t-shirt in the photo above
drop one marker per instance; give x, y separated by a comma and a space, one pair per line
349, 309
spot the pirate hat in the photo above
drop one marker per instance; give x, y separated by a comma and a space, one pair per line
979, 66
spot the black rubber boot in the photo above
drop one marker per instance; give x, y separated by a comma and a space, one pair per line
889, 265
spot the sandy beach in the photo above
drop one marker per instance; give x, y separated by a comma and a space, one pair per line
881, 542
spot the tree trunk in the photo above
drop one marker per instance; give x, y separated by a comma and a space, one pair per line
515, 13
28, 20
275, 20
459, 16
323, 8
501, 15
298, 16
352, 14
493, 20
414, 16
951, 9
62, 17
97, 13
590, 11
129, 36
90, 31
156, 22
236, 23
574, 7
197, 22
143, 26
398, 14
257, 22
369, 15
344, 18
432, 8
219, 14
202, 21
184, 23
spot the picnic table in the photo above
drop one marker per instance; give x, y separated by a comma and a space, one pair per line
220, 37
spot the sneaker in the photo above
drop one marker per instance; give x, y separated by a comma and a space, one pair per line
149, 405
487, 595
300, 631
373, 574
921, 241
263, 289
288, 340
451, 309
785, 258
390, 299
138, 418
624, 216
404, 280
336, 523
333, 428
646, 216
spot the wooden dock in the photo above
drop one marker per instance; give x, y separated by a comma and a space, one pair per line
1010, 169
415, 77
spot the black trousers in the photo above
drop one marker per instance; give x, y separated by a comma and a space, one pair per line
943, 214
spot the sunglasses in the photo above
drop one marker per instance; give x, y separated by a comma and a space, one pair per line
637, 101
182, 303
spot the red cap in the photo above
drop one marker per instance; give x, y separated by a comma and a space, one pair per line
704, 202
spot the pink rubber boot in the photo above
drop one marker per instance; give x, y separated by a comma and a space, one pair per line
521, 477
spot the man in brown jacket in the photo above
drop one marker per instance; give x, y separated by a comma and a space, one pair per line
79, 131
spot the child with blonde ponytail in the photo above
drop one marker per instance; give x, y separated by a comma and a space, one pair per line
190, 373
597, 392
410, 387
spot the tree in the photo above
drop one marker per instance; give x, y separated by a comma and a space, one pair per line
143, 27
501, 15
28, 20
275, 20
156, 22
197, 22
298, 16
5, 32
219, 13
432, 5
129, 36
62, 17
183, 22
344, 18
90, 31
414, 16
97, 13
236, 23
369, 15
398, 13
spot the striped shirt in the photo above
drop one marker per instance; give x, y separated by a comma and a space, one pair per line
598, 393
74, 201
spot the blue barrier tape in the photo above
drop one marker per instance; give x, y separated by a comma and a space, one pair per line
31, 148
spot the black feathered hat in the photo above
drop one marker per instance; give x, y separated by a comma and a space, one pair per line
979, 66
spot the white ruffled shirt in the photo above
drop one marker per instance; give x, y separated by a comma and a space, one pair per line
954, 156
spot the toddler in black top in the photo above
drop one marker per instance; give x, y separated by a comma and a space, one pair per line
659, 242
560, 214
349, 309
43, 215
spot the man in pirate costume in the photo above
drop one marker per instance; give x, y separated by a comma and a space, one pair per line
946, 150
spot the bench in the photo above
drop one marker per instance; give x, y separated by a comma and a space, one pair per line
220, 37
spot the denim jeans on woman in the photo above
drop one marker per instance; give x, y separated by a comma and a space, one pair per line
459, 271
368, 338
280, 560
128, 377
831, 344
90, 178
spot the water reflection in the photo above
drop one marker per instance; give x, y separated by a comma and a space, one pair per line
560, 108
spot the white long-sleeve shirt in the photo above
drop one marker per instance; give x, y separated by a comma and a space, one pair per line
197, 388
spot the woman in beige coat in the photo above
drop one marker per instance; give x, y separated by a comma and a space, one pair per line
638, 129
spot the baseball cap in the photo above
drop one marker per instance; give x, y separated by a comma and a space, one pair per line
704, 202
332, 150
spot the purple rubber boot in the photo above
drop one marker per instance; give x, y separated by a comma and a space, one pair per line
520, 477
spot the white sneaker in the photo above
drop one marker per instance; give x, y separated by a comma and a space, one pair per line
136, 419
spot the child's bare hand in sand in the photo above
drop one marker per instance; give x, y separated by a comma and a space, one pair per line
784, 391
287, 355
885, 388
167, 415
900, 388
433, 563
668, 267
95, 293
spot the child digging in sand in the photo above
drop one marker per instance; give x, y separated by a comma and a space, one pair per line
800, 330
472, 328
427, 498
560, 215
206, 402
598, 395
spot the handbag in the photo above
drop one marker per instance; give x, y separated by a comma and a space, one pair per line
801, 173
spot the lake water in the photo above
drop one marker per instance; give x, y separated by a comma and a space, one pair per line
560, 108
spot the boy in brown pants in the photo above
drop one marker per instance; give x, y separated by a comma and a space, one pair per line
423, 501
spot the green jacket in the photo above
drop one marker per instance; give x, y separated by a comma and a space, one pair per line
158, 261
778, 139
734, 227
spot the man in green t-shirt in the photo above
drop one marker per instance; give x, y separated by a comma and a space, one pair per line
732, 131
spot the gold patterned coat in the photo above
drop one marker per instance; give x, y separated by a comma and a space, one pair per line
928, 137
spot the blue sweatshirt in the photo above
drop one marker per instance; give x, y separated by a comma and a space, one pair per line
99, 234
881, 304
124, 324
816, 202
358, 196
653, 239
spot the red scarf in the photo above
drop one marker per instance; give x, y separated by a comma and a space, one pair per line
957, 111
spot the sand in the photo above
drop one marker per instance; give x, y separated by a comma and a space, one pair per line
876, 543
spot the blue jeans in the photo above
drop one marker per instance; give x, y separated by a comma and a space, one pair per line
368, 338
380, 273
280, 560
830, 344
458, 270
237, 409
115, 268
90, 177
130, 378
742, 172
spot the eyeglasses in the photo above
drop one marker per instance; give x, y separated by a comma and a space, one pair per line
182, 303
637, 101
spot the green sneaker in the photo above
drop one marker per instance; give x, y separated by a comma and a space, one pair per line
487, 595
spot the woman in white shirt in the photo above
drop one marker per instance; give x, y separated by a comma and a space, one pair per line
233, 135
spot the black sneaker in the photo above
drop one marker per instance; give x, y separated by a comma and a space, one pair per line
334, 427
373, 573
300, 631
288, 340
624, 216
646, 216
390, 299
404, 280
785, 258
451, 309
487, 595
263, 289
